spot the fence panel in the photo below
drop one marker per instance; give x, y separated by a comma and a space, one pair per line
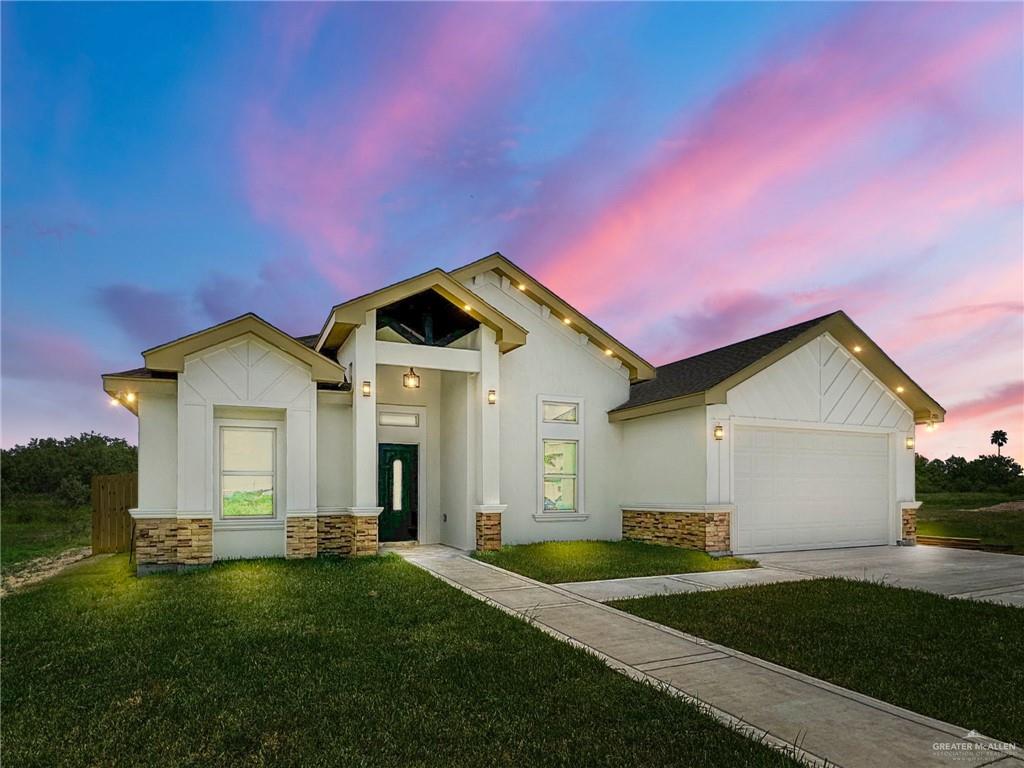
112, 497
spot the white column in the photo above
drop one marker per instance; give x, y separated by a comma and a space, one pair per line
364, 416
489, 474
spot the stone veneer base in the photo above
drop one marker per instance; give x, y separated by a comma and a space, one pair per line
909, 526
346, 534
488, 531
300, 537
707, 531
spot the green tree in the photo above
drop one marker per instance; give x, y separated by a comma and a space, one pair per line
64, 467
999, 439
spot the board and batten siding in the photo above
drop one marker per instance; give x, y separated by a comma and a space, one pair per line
818, 386
245, 373
556, 361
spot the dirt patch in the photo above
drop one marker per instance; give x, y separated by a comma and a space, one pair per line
41, 568
1006, 506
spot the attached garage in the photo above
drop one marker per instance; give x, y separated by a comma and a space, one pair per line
810, 489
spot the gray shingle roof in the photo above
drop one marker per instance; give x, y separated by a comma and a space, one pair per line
701, 372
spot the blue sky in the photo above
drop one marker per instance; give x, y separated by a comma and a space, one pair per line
727, 168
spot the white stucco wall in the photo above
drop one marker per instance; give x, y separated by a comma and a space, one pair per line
664, 462
333, 451
557, 362
245, 373
457, 525
158, 453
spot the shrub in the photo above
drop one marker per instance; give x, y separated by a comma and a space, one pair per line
44, 464
72, 492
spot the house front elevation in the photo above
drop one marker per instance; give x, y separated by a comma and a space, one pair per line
476, 407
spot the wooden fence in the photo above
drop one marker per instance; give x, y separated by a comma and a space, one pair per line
112, 497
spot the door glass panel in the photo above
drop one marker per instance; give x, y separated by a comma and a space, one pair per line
247, 495
247, 450
392, 419
396, 485
564, 413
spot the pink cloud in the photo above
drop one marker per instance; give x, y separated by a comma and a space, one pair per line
993, 402
39, 354
324, 180
690, 213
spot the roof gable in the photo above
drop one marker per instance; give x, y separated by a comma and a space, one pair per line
171, 356
350, 314
705, 379
639, 369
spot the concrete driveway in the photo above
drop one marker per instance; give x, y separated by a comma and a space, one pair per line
952, 572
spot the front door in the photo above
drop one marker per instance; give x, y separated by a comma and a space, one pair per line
397, 491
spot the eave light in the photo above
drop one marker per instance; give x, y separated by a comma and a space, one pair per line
492, 396
114, 401
857, 348
467, 307
567, 320
899, 389
366, 389
411, 380
608, 352
130, 397
521, 286
719, 432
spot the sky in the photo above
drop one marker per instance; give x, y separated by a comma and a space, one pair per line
687, 175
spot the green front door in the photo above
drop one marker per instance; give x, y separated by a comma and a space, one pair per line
397, 491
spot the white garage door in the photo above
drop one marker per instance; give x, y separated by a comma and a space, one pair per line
805, 489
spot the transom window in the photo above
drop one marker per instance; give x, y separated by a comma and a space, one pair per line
560, 474
561, 413
247, 472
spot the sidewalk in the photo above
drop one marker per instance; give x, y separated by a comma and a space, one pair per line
819, 721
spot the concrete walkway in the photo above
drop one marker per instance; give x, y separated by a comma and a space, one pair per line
958, 573
818, 721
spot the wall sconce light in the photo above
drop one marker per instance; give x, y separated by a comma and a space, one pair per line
130, 397
366, 389
411, 380
719, 432
492, 397
910, 443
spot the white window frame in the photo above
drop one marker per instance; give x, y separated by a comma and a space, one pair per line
278, 473
567, 431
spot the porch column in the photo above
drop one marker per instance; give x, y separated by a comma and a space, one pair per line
489, 507
362, 533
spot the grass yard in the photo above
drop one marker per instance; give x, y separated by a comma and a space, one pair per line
34, 526
956, 660
957, 515
554, 562
319, 662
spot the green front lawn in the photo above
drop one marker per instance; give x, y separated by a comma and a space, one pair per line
956, 660
555, 562
36, 526
958, 515
366, 661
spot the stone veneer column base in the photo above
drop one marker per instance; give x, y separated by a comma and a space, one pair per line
488, 527
706, 530
300, 537
908, 523
195, 541
171, 543
347, 533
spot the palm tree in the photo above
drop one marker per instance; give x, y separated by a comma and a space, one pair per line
999, 439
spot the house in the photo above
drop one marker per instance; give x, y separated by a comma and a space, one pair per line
475, 407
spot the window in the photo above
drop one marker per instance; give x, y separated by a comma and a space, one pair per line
561, 413
393, 419
247, 472
560, 475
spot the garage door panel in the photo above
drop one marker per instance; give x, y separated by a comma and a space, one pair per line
800, 489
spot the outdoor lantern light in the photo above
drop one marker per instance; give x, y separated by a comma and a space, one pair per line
366, 389
910, 443
492, 397
411, 380
719, 431
931, 426
130, 397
